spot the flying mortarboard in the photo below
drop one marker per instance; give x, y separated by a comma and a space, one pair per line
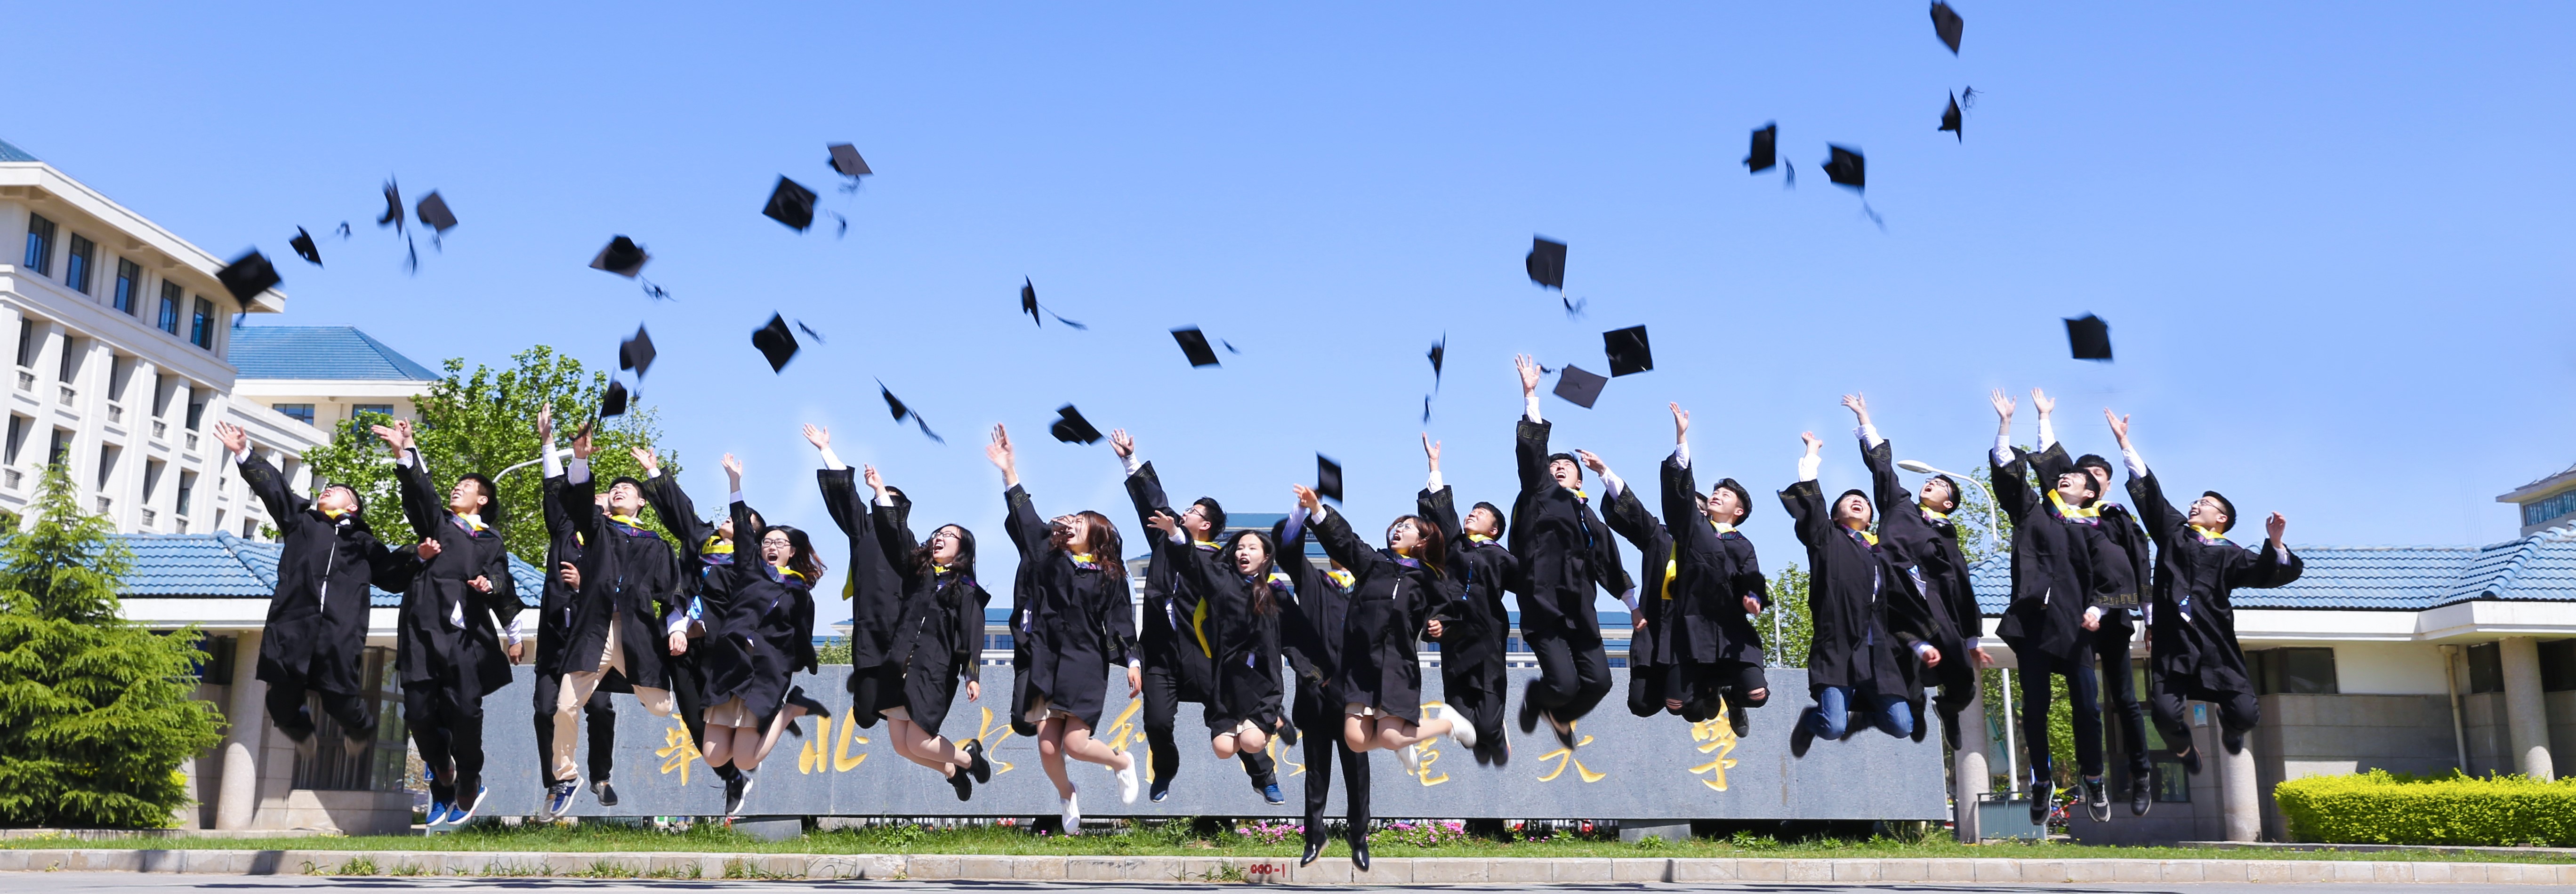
1328, 478
1194, 345
1766, 148
1846, 168
1029, 305
1546, 262
248, 275
393, 216
2088, 338
1627, 350
1439, 352
1578, 386
304, 247
433, 211
622, 257
1946, 25
775, 342
791, 204
1071, 428
895, 405
636, 353
1950, 119
845, 159
614, 402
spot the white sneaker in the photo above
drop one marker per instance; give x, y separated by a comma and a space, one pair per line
1460, 731
1411, 757
1127, 783
1073, 813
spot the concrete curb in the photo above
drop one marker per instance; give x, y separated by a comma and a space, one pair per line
1330, 871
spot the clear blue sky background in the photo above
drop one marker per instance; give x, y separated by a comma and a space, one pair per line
2333, 240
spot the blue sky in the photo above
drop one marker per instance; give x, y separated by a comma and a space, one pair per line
2331, 239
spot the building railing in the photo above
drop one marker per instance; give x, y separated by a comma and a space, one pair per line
149, 517
160, 429
68, 395
115, 413
192, 440
26, 381
105, 505
14, 477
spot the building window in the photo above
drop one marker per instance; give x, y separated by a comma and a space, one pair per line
76, 271
2486, 667
40, 245
299, 412
187, 488
2293, 671
60, 452
17, 437
196, 410
106, 464
2558, 665
201, 327
129, 287
385, 410
170, 299
27, 343
2548, 508
69, 367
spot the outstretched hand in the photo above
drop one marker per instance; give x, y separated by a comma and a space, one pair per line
644, 457
818, 436
2273, 526
1306, 497
235, 440
1164, 522
1858, 403
2119, 427
2003, 404
869, 474
2039, 400
392, 437
1814, 447
999, 451
1529, 373
1431, 451
428, 549
733, 470
546, 424
1591, 461
582, 445
1121, 442
1681, 423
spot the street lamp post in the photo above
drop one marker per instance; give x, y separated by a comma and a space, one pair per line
560, 453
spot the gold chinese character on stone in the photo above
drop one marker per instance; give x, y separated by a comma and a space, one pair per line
1717, 736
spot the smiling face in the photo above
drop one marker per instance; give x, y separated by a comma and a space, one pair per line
1195, 520
2075, 487
1482, 521
1937, 496
337, 499
2207, 513
1070, 533
1568, 473
1852, 512
467, 497
624, 498
946, 543
1724, 506
1249, 556
776, 549
1405, 537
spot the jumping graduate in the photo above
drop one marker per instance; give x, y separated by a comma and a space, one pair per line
755, 645
564, 544
1311, 639
1565, 551
706, 550
936, 640
2119, 614
1245, 598
315, 638
1649, 656
1923, 543
1396, 599
1071, 593
2191, 618
1713, 592
628, 610
445, 637
1178, 648
871, 584
1475, 628
1862, 659
2063, 567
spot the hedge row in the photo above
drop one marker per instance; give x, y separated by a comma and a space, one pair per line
2380, 807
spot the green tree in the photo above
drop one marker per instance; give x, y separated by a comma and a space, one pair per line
96, 712
1786, 628
487, 422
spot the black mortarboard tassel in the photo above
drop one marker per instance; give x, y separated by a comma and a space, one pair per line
248, 275
1766, 148
433, 211
1946, 25
1029, 305
809, 332
791, 204
636, 353
1194, 345
846, 160
1950, 119
1071, 428
1328, 478
614, 402
622, 257
895, 405
775, 342
304, 247
2089, 338
1627, 350
1579, 386
393, 216
1846, 168
1546, 262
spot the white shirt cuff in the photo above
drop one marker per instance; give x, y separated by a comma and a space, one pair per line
679, 623
1924, 649
2281, 556
578, 473
2137, 464
2093, 614
1180, 537
833, 461
1132, 462
243, 457
1681, 454
553, 464
410, 456
1435, 481
2047, 434
1869, 438
650, 474
518, 628
1807, 466
732, 498
1134, 663
1971, 643
2003, 448
1630, 598
1611, 485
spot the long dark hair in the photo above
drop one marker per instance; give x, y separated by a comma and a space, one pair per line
1262, 603
965, 564
1107, 549
805, 562
1435, 548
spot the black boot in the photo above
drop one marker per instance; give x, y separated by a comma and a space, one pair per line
963, 782
980, 768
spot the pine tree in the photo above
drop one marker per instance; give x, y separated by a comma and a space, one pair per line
96, 712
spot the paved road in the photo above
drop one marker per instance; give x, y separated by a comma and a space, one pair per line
139, 883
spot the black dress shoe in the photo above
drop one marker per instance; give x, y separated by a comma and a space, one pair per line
1359, 851
1314, 849
1738, 719
1529, 715
964, 783
2234, 740
1802, 736
2142, 794
978, 767
2190, 758
797, 697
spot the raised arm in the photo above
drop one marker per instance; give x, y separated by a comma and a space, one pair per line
2012, 489
2276, 565
1805, 500
1144, 487
2158, 514
1885, 489
893, 520
1028, 529
420, 502
1529, 441
1435, 503
672, 505
1334, 533
747, 566
282, 504
577, 499
838, 484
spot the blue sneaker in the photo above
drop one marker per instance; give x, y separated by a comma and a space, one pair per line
1162, 788
1271, 794
437, 815
559, 798
457, 815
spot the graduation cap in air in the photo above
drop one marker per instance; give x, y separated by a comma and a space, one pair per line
791, 204
1950, 119
846, 160
1328, 478
1546, 262
1439, 352
248, 275
1846, 168
393, 216
432, 211
775, 342
895, 405
1766, 148
1029, 305
1946, 25
636, 353
614, 402
1071, 428
2089, 338
1579, 386
1194, 344
304, 247
622, 257
1627, 350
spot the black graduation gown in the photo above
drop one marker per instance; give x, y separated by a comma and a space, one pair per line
1563, 547
1172, 637
1848, 599
763, 636
1075, 620
1928, 552
873, 586
1475, 628
316, 630
628, 574
1649, 651
1247, 683
1392, 602
1310, 631
2191, 631
428, 647
2119, 611
938, 636
1713, 572
2054, 570
702, 574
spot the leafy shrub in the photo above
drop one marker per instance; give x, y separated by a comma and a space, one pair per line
2380, 807
1421, 834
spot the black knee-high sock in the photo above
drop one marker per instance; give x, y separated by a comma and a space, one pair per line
1258, 765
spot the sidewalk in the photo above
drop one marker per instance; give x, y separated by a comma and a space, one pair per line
1329, 871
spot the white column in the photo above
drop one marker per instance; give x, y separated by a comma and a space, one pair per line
2239, 791
237, 802
2526, 714
1968, 770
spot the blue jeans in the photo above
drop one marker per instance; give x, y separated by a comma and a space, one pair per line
1831, 716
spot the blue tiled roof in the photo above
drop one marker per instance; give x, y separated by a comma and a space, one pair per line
222, 566
319, 352
13, 153
2541, 566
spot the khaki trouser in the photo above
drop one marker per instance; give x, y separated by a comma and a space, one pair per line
576, 690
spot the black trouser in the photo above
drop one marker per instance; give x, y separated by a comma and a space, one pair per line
1698, 687
446, 720
687, 699
1321, 726
1483, 710
1162, 704
2237, 711
2120, 695
1573, 675
600, 721
287, 709
2035, 700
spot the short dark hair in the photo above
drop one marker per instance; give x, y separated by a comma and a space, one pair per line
1501, 523
491, 494
1743, 498
1215, 514
1953, 485
626, 479
1568, 457
2223, 506
2094, 461
1864, 499
2095, 483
